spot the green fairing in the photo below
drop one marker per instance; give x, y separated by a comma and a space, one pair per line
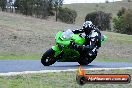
57, 50
78, 40
65, 42
104, 40
60, 41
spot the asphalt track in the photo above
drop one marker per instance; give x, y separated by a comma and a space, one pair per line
35, 65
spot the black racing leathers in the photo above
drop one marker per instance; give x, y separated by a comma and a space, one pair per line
93, 40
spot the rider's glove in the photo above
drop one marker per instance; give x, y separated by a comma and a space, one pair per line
83, 47
73, 45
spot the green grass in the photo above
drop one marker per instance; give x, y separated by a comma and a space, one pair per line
12, 57
119, 38
58, 80
118, 48
107, 59
37, 57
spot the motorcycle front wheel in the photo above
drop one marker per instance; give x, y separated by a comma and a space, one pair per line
48, 57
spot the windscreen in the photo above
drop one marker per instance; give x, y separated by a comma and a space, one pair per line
67, 34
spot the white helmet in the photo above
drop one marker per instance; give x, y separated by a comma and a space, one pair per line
87, 26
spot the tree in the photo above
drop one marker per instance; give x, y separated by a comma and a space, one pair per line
3, 4
121, 12
123, 23
106, 1
100, 19
57, 4
37, 8
21, 6
10, 5
119, 25
67, 15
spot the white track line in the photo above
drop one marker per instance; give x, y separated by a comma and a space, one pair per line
68, 70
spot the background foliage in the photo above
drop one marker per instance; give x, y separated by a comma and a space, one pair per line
37, 8
123, 23
100, 19
67, 15
3, 4
40, 9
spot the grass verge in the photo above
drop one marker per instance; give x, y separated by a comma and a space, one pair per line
58, 80
99, 59
38, 57
12, 57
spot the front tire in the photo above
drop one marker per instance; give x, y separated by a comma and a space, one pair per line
48, 57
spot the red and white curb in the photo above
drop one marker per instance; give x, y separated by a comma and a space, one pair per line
68, 70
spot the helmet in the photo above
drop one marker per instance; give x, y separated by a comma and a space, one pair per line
87, 26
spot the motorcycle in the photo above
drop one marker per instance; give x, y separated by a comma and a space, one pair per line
62, 50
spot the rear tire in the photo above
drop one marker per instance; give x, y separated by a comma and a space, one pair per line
48, 57
86, 60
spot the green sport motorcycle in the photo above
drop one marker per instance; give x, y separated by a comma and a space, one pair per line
62, 48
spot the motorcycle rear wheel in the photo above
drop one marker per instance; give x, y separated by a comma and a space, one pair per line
86, 60
48, 57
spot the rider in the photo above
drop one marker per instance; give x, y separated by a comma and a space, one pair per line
93, 39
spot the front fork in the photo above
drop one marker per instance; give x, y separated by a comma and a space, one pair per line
57, 50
